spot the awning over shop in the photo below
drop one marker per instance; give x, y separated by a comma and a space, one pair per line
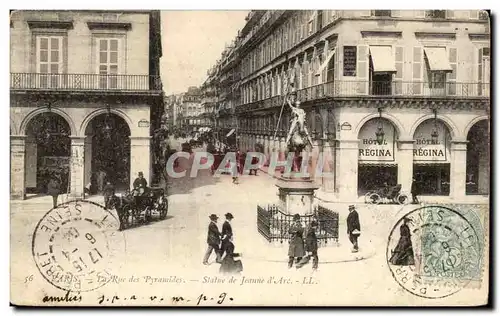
382, 59
437, 57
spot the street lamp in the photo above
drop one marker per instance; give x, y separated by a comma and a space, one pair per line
107, 126
434, 133
379, 134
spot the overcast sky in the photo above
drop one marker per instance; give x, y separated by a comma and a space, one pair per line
192, 42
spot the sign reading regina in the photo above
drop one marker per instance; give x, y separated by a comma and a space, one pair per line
369, 147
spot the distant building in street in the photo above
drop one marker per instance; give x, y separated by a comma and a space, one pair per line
85, 94
390, 95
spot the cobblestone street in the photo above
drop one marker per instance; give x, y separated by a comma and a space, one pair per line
175, 246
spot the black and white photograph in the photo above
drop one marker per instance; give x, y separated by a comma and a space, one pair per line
219, 158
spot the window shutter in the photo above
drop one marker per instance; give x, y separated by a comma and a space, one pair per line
398, 77
452, 76
362, 69
474, 14
417, 73
419, 13
480, 71
450, 14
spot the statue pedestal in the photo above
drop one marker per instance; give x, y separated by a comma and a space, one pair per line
296, 195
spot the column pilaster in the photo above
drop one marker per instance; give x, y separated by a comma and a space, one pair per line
140, 159
405, 164
458, 168
17, 167
76, 166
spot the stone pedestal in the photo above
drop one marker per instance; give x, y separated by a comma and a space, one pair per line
296, 195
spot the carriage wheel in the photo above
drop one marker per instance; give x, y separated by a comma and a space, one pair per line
164, 210
367, 197
402, 199
375, 198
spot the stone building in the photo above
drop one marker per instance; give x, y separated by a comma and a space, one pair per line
85, 95
390, 96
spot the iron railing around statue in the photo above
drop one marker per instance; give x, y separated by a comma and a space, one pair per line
273, 224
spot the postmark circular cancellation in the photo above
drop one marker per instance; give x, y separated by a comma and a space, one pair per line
76, 244
434, 252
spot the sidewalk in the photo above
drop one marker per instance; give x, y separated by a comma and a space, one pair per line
330, 198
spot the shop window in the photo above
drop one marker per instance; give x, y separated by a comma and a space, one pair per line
435, 14
432, 179
386, 13
375, 177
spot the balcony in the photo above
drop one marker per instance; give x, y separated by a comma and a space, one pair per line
85, 82
380, 90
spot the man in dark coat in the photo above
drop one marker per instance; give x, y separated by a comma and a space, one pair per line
140, 183
213, 240
109, 191
296, 248
53, 189
414, 192
227, 233
353, 227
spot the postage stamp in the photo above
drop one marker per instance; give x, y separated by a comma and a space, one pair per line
74, 245
435, 251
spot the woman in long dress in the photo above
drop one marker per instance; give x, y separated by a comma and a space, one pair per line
228, 264
403, 255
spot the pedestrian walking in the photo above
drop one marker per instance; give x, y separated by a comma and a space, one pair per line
234, 171
228, 264
227, 233
415, 191
353, 227
403, 254
213, 240
54, 189
296, 247
109, 192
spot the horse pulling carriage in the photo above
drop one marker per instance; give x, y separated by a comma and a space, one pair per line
140, 207
386, 195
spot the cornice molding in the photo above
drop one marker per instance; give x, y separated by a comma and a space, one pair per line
380, 33
428, 34
99, 25
40, 24
480, 36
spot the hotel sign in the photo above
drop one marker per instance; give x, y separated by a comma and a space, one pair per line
427, 149
370, 149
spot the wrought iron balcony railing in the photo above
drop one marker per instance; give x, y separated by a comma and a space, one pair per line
41, 81
379, 89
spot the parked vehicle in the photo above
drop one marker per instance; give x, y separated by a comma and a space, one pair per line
387, 195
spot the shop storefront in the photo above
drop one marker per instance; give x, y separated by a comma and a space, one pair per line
432, 158
478, 159
377, 161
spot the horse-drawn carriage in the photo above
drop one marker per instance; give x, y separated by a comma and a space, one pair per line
387, 195
140, 207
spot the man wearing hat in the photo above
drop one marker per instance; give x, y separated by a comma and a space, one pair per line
227, 233
353, 227
140, 183
213, 240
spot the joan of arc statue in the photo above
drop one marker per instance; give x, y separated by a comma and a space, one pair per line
297, 127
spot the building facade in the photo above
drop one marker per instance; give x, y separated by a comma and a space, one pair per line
85, 95
390, 96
